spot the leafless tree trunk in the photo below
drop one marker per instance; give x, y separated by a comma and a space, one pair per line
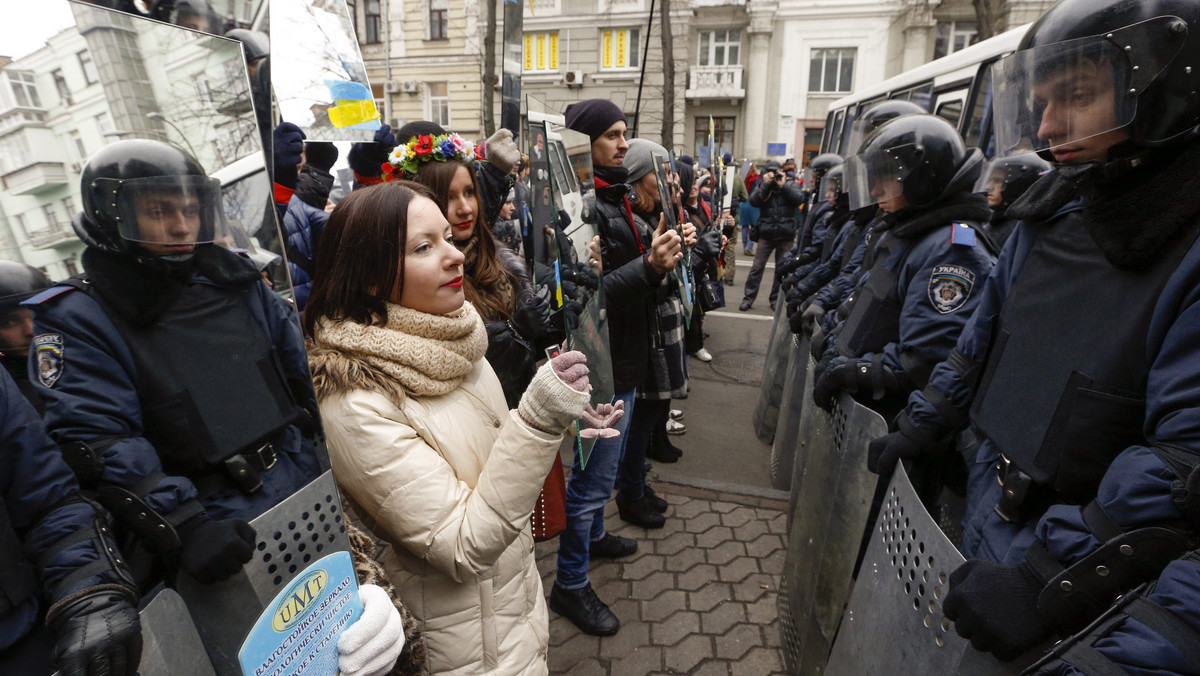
489, 69
668, 57
987, 16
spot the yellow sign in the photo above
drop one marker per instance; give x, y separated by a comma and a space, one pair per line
622, 38
541, 51
298, 600
553, 51
606, 49
529, 42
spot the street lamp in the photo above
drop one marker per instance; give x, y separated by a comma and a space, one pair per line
159, 116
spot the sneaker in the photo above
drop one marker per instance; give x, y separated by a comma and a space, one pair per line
675, 427
640, 513
676, 414
585, 610
746, 304
656, 502
612, 546
703, 355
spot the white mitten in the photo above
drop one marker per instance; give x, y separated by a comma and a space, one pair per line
370, 646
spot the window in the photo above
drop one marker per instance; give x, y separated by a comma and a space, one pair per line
60, 83
203, 89
69, 206
24, 89
439, 14
104, 124
352, 10
953, 36
541, 52
89, 69
619, 49
720, 48
51, 216
722, 134
831, 70
20, 220
439, 103
373, 29
77, 141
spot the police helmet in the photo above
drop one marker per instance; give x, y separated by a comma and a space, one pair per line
816, 169
148, 197
921, 157
1012, 175
873, 117
255, 43
835, 180
1087, 67
19, 282
198, 15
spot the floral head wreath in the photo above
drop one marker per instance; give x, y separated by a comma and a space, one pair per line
406, 158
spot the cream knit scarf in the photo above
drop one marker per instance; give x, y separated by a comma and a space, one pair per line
427, 354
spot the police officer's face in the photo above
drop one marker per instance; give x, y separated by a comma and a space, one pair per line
167, 223
609, 149
16, 332
462, 204
1078, 114
888, 192
995, 189
433, 274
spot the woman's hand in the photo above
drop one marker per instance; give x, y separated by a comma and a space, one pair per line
370, 646
664, 248
596, 261
557, 395
571, 368
689, 233
600, 422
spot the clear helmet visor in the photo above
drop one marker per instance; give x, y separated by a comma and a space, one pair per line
808, 176
167, 215
831, 183
1055, 96
878, 177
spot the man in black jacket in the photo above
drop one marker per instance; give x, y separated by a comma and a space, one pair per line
778, 199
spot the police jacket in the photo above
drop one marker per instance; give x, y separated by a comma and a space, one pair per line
778, 215
630, 285
828, 262
852, 252
40, 507
919, 291
1139, 441
816, 225
158, 449
302, 225
18, 368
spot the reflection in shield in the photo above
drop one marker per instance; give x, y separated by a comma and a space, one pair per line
788, 442
775, 370
672, 210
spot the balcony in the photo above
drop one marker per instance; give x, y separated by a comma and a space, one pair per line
696, 4
35, 178
47, 237
715, 82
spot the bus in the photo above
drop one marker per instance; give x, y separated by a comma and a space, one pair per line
956, 87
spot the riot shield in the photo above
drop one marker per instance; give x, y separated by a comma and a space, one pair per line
894, 616
832, 506
214, 16
770, 394
510, 90
672, 209
791, 406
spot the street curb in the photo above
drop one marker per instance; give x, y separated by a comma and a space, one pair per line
742, 494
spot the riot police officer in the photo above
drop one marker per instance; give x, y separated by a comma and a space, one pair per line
1079, 367
18, 282
56, 548
175, 381
1004, 181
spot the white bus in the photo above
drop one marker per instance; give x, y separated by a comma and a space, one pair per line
956, 87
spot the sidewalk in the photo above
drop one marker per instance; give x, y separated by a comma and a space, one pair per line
698, 597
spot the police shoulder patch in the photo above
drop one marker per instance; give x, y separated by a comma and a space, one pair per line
949, 287
48, 348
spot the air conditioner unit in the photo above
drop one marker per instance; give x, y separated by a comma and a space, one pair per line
392, 86
409, 86
573, 78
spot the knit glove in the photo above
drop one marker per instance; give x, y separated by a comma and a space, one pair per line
366, 159
370, 646
212, 551
557, 394
501, 151
287, 144
995, 607
600, 422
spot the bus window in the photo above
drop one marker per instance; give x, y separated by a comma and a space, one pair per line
827, 135
918, 94
950, 106
837, 131
978, 129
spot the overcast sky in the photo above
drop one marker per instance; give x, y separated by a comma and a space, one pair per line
27, 24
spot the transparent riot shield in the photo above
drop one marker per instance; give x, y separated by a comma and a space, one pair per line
512, 65
212, 16
894, 619
672, 209
832, 506
775, 371
318, 74
791, 407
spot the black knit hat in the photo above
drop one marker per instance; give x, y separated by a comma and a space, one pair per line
320, 154
419, 128
593, 117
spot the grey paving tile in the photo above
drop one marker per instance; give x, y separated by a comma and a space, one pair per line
738, 641
689, 652
677, 563
778, 524
588, 667
561, 629
773, 562
674, 543
764, 611
708, 596
673, 525
641, 661
711, 668
632, 636
612, 590
719, 620
758, 662
644, 566
663, 606
714, 536
702, 522
691, 508
725, 552
722, 507
696, 577
675, 628
739, 517
738, 569
755, 587
653, 585
764, 545
565, 657
751, 530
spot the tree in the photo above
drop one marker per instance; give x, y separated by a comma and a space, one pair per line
668, 52
987, 17
489, 69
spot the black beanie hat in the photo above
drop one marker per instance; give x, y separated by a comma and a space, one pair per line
320, 154
593, 117
419, 128
687, 159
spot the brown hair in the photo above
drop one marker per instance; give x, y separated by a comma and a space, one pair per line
646, 198
487, 280
360, 262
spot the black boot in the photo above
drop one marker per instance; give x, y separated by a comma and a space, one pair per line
612, 547
661, 452
656, 502
585, 610
640, 513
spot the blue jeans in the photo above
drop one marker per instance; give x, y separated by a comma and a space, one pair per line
587, 492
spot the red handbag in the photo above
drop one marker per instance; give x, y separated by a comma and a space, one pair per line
550, 514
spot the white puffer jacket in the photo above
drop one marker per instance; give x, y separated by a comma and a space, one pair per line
449, 483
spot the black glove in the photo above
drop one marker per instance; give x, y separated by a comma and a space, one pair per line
98, 632
212, 551
995, 607
1186, 495
789, 262
287, 144
708, 247
883, 453
831, 381
531, 319
366, 159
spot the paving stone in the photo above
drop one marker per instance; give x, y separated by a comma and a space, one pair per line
641, 661
564, 657
644, 566
674, 543
751, 530
738, 517
778, 524
723, 507
717, 621
773, 562
604, 570
766, 514
725, 552
687, 653
663, 606
675, 628
702, 522
738, 569
673, 525
632, 636
684, 560
711, 668
589, 667
708, 596
764, 545
757, 662
714, 537
737, 641
561, 629
754, 587
773, 634
673, 498
626, 610
653, 585
764, 611
696, 577
612, 590
690, 509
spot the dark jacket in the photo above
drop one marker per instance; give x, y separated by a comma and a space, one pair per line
302, 224
515, 345
777, 218
630, 284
